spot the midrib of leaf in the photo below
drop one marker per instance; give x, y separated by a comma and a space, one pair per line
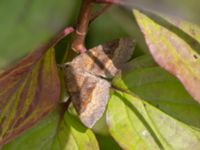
123, 145
76, 141
72, 135
149, 120
146, 116
156, 131
130, 122
189, 130
153, 128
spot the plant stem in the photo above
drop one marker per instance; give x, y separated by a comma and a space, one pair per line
85, 18
109, 1
82, 26
60, 36
56, 39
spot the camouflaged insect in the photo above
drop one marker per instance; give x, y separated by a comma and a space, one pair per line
86, 77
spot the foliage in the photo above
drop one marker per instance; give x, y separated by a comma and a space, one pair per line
154, 103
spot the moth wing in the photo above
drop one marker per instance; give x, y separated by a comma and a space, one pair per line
89, 94
95, 61
123, 53
97, 99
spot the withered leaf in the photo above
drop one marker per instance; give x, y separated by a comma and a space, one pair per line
86, 77
28, 91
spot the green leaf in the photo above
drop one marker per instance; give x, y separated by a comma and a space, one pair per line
26, 25
73, 135
138, 125
40, 137
161, 89
172, 53
28, 91
129, 116
56, 133
142, 61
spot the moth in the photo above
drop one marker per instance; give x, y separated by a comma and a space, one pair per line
88, 76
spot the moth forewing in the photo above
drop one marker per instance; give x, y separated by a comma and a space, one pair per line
97, 102
95, 61
89, 92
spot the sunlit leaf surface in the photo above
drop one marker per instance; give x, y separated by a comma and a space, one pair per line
152, 120
72, 135
172, 53
28, 91
138, 125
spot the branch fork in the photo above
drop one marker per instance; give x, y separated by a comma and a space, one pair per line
85, 18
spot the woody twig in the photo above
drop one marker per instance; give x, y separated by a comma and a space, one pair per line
82, 26
109, 1
85, 18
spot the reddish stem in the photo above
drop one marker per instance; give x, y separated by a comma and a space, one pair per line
54, 40
59, 36
82, 26
85, 17
109, 1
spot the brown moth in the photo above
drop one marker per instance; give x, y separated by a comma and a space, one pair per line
86, 77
